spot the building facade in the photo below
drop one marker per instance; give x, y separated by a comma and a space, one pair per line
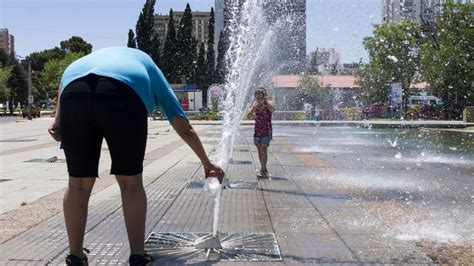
325, 61
7, 41
200, 25
219, 21
421, 11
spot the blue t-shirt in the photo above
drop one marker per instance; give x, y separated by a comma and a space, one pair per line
132, 67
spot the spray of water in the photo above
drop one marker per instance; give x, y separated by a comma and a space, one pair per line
248, 59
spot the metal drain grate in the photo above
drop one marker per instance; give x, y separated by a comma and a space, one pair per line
18, 140
199, 184
196, 184
242, 150
242, 184
53, 159
235, 247
239, 162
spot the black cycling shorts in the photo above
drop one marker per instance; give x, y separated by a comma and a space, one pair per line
95, 108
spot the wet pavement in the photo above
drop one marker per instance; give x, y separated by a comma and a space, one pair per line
336, 195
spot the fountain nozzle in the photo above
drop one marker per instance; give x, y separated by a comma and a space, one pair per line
209, 242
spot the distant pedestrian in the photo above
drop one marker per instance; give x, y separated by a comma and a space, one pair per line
107, 95
262, 110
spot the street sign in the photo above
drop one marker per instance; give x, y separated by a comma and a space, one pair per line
396, 93
30, 99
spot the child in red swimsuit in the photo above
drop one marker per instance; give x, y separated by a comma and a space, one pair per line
262, 110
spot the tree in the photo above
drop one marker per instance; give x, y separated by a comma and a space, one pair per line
447, 59
5, 70
393, 52
144, 26
4, 76
155, 49
53, 70
132, 42
39, 59
17, 85
76, 45
186, 46
373, 84
312, 90
221, 67
201, 69
170, 53
210, 57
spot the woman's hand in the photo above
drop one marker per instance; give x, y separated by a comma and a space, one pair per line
55, 131
219, 173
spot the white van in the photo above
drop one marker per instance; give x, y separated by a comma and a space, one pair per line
424, 100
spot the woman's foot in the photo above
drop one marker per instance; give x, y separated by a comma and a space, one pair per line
264, 173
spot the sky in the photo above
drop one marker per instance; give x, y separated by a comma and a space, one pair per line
42, 24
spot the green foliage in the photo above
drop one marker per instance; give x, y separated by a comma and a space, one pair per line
53, 70
4, 76
155, 49
201, 68
170, 53
447, 58
17, 84
39, 59
215, 115
144, 26
221, 68
76, 45
393, 52
186, 46
132, 42
210, 56
312, 90
374, 84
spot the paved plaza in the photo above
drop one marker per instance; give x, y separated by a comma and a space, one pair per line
337, 194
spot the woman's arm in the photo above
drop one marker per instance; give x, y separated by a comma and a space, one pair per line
187, 133
55, 130
252, 110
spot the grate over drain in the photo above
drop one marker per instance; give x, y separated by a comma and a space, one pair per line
242, 184
235, 247
18, 140
199, 184
239, 162
53, 159
242, 150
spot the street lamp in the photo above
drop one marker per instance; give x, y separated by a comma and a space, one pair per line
30, 97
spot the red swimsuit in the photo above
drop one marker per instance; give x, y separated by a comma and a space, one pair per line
263, 122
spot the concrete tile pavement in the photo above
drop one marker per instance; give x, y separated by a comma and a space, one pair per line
310, 227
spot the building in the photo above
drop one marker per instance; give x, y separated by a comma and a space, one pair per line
290, 51
200, 25
349, 68
288, 96
421, 11
344, 90
219, 21
325, 61
7, 41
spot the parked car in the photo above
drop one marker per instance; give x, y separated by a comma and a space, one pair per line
35, 111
